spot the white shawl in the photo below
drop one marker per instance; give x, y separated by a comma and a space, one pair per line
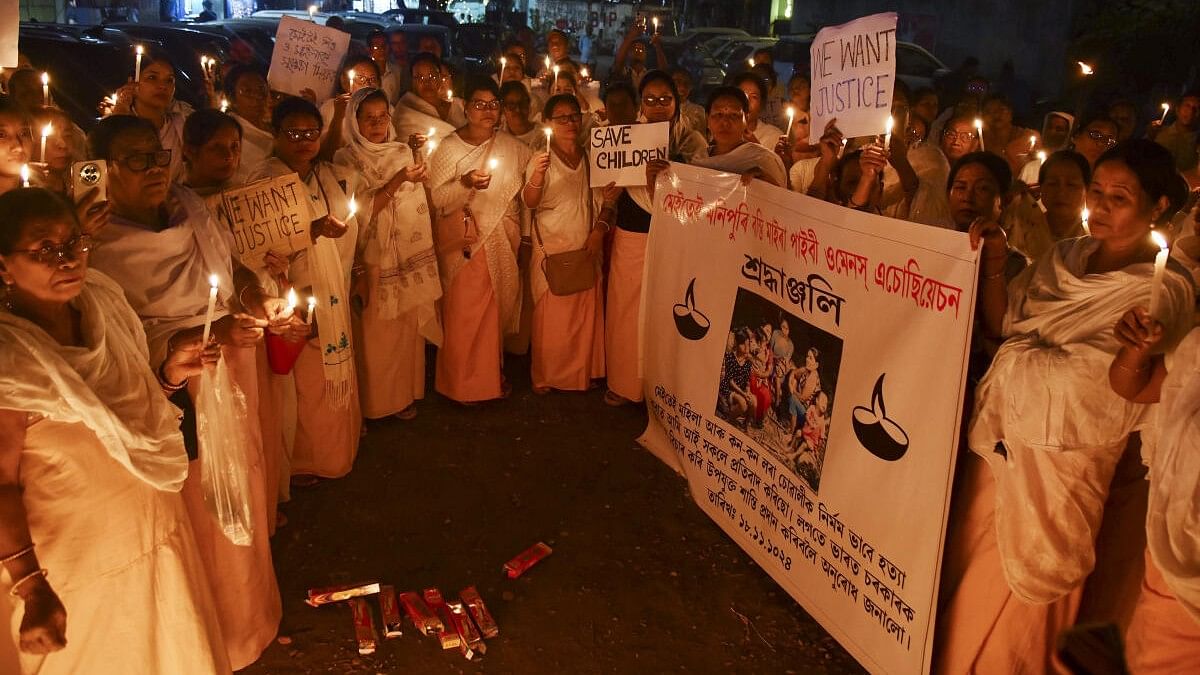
398, 241
1046, 399
745, 157
257, 146
107, 385
413, 115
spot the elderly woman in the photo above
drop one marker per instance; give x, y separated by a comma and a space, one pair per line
427, 106
91, 465
1035, 227
1045, 439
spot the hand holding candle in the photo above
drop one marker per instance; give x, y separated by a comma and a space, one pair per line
312, 310
791, 113
1166, 109
1084, 219
655, 21
1160, 267
350, 75
46, 89
887, 137
46, 131
503, 65
213, 280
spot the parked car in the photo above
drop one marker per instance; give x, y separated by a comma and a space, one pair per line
694, 37
914, 64
358, 24
185, 46
426, 17
735, 57
256, 36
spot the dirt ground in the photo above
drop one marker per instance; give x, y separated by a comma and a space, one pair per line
640, 580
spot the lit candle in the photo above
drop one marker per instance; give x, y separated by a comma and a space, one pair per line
24, 175
547, 62
556, 69
979, 132
750, 61
112, 100
431, 145
212, 308
655, 21
583, 72
1085, 68
1160, 266
1166, 108
791, 112
353, 208
1041, 157
350, 75
503, 64
549, 132
492, 164
46, 89
1032, 143
224, 105
312, 310
204, 65
449, 95
292, 299
887, 137
46, 131
137, 65
1084, 219
312, 13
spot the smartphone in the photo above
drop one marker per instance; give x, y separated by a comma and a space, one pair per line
89, 174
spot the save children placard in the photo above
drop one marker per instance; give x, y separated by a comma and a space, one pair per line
853, 73
619, 154
804, 369
306, 56
272, 214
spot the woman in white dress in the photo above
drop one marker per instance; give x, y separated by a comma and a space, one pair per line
249, 104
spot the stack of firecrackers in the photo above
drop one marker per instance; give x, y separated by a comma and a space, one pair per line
463, 623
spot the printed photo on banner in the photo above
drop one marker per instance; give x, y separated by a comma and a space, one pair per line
306, 56
619, 154
853, 73
778, 378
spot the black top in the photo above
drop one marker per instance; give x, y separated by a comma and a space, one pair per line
630, 216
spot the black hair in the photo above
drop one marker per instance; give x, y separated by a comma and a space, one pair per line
424, 57
758, 81
922, 92
357, 61
765, 50
902, 88
555, 100
518, 87
27, 205
727, 92
10, 108
620, 87
475, 84
680, 70
1154, 167
797, 77
1103, 119
569, 78
236, 74
106, 132
995, 165
202, 125
997, 97
767, 73
1066, 157
376, 34
155, 54
337, 23
663, 77
294, 105
1190, 93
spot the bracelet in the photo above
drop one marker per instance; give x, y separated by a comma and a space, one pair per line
19, 554
997, 275
241, 301
44, 573
604, 224
165, 383
535, 187
1127, 369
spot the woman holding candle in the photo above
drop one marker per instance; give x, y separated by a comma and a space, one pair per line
1052, 438
163, 246
15, 144
93, 532
568, 330
250, 101
1036, 227
477, 226
328, 420
516, 104
55, 149
399, 284
425, 107
152, 97
756, 91
357, 72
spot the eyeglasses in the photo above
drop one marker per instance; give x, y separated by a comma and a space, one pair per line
72, 249
964, 136
366, 81
378, 119
516, 106
657, 101
485, 105
146, 160
1102, 138
297, 135
732, 118
431, 77
569, 118
252, 92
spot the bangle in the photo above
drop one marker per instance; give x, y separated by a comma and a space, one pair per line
997, 275
242, 301
603, 224
1127, 369
165, 383
535, 187
36, 573
19, 554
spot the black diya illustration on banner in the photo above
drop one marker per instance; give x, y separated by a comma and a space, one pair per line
879, 434
691, 323
778, 378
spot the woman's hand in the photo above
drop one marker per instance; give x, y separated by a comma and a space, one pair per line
831, 142
186, 358
92, 214
872, 161
328, 227
987, 231
653, 168
44, 624
595, 244
414, 173
238, 330
476, 180
1139, 332
309, 95
610, 194
125, 96
784, 150
339, 106
541, 164
417, 141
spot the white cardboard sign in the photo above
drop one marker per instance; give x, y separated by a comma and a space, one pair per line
619, 153
853, 74
306, 56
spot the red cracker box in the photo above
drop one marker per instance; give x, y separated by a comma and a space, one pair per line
364, 625
471, 640
479, 612
447, 636
422, 617
390, 611
324, 596
526, 559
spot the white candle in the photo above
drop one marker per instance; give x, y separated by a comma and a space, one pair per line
137, 67
887, 137
1160, 266
1041, 157
431, 145
350, 75
547, 62
1166, 108
556, 69
1085, 68
224, 105
46, 89
503, 65
791, 112
549, 132
204, 65
979, 132
312, 310
212, 308
353, 208
655, 21
1084, 218
46, 131
312, 13
24, 175
1032, 143
292, 299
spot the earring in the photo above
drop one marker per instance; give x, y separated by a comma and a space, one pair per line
6, 298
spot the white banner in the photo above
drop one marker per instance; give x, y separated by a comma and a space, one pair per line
853, 74
619, 154
306, 56
804, 369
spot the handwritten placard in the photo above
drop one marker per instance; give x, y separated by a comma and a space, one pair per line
306, 56
853, 73
10, 21
619, 154
272, 214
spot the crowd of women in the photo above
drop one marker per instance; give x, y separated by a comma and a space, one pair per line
460, 216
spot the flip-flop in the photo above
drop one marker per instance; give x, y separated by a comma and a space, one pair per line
613, 399
409, 413
305, 480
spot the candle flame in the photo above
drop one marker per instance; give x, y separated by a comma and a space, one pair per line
978, 123
353, 206
891, 123
25, 174
45, 78
312, 302
292, 299
493, 163
1159, 240
556, 69
750, 61
1085, 214
1032, 141
224, 105
1041, 156
140, 50
584, 73
503, 62
312, 9
351, 75
432, 145
47, 130
1085, 68
213, 280
1166, 107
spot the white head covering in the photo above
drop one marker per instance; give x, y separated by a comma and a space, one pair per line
377, 162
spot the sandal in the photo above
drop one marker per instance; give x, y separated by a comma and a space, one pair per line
541, 391
409, 413
305, 480
614, 400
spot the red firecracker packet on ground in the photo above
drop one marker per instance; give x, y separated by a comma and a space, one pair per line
479, 612
324, 596
447, 636
470, 641
364, 625
390, 611
423, 618
527, 558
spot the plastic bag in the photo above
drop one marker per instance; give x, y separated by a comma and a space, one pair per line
221, 425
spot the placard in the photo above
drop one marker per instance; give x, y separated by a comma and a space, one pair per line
272, 214
804, 369
10, 24
306, 56
619, 154
853, 74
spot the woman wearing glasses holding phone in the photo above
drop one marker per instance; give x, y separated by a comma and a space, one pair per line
476, 174
162, 245
93, 532
328, 422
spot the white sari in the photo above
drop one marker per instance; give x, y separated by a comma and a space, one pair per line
257, 146
745, 157
1046, 399
413, 115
